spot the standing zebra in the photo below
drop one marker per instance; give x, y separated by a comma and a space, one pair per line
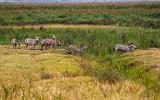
31, 42
75, 49
15, 43
56, 43
50, 42
125, 48
45, 43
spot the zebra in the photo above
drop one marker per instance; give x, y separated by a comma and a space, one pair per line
31, 42
125, 48
50, 42
75, 49
14, 43
45, 43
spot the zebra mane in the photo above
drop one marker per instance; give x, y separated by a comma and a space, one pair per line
130, 43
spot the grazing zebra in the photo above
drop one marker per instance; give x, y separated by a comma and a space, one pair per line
75, 49
125, 48
45, 43
15, 43
31, 42
50, 42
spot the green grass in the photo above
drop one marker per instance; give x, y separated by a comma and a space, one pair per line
99, 72
120, 14
20, 77
38, 60
109, 67
93, 37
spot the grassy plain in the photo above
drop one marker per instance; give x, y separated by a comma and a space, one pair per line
99, 72
120, 14
21, 69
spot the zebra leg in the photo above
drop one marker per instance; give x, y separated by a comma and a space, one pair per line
13, 46
73, 52
19, 46
42, 47
46, 46
26, 46
33, 46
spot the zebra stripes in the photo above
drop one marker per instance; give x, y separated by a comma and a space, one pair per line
75, 49
31, 42
72, 49
45, 43
50, 42
124, 48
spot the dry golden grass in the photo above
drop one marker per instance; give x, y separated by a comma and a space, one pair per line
84, 26
150, 59
20, 78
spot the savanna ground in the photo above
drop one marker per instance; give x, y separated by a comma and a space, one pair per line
99, 72
21, 76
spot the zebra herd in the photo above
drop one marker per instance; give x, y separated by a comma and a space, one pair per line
47, 43
72, 49
33, 42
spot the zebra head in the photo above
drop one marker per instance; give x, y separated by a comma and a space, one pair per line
117, 47
53, 36
59, 43
83, 47
37, 38
132, 47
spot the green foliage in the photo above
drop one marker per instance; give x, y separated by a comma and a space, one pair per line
98, 41
122, 14
100, 47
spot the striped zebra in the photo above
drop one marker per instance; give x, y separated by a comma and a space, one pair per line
75, 49
15, 43
45, 43
50, 42
31, 42
125, 48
